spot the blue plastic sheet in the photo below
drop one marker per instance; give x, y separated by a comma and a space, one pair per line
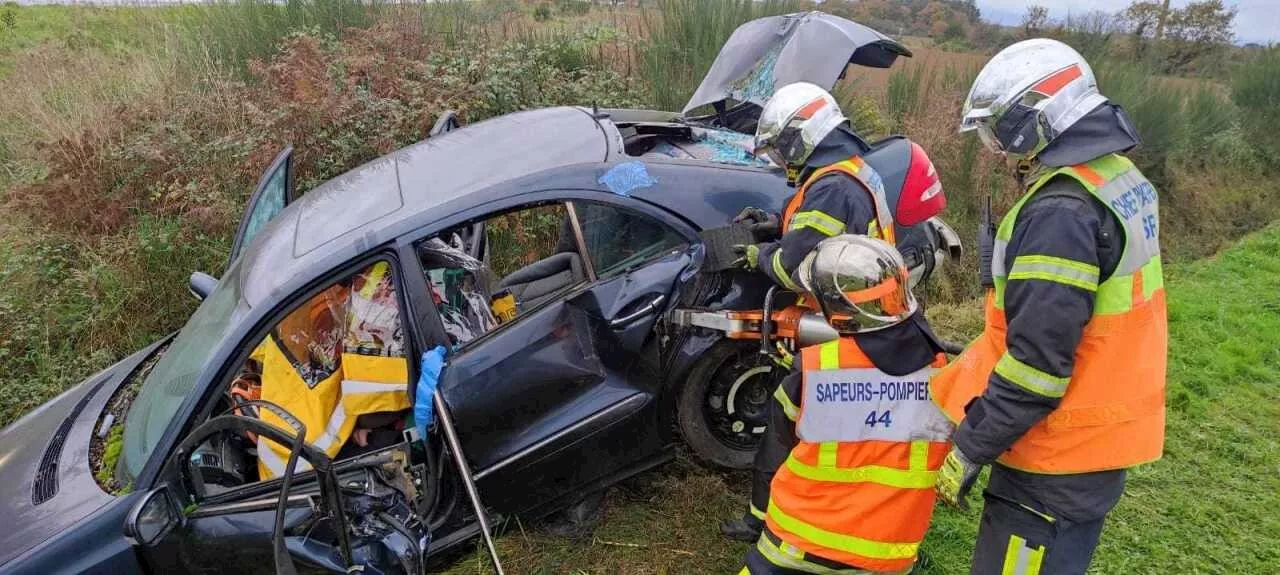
625, 177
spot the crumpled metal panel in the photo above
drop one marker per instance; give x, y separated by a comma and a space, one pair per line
769, 53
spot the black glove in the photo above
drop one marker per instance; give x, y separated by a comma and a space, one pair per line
765, 226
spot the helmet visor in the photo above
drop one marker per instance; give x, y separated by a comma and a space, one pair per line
988, 136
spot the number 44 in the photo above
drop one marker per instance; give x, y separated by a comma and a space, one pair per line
884, 419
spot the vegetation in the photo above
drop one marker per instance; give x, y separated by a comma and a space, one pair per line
130, 138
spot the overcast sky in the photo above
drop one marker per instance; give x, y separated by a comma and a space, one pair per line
1256, 21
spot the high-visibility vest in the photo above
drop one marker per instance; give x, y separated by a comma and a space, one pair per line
858, 488
880, 227
1112, 410
371, 375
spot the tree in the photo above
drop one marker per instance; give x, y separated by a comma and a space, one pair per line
1199, 29
1034, 20
1183, 35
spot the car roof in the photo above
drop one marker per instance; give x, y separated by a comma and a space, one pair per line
360, 207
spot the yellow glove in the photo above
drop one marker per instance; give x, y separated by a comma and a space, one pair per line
956, 478
748, 256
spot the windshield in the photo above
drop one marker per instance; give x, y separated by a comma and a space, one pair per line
174, 375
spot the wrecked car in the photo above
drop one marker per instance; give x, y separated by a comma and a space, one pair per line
548, 250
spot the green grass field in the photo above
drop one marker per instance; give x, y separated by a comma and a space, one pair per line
1209, 506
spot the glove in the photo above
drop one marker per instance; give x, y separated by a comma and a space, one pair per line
748, 256
956, 478
764, 225
423, 407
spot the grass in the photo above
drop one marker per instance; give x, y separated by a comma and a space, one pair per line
1207, 507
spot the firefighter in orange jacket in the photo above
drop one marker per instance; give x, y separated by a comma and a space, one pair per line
857, 439
1064, 390
802, 129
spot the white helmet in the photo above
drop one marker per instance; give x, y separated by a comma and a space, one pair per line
860, 283
793, 121
1027, 95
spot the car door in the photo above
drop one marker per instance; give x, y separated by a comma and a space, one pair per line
555, 401
274, 191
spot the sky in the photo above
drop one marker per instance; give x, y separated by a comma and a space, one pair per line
1256, 20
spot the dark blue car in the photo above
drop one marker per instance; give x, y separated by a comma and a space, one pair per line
588, 220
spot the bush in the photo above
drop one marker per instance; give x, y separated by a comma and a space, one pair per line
1255, 88
542, 13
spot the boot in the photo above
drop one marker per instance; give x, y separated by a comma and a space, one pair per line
745, 529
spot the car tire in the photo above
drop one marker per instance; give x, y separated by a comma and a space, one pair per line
726, 360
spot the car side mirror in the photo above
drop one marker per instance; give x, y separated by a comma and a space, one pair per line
151, 518
201, 285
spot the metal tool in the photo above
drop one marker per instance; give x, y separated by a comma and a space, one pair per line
464, 470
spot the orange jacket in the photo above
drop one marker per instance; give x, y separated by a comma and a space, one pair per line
858, 488
1111, 414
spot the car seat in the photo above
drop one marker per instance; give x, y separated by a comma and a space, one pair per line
535, 282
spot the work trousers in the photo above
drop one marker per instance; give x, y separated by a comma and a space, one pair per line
1017, 535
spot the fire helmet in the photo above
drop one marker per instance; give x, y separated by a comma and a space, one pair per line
860, 283
793, 122
1027, 95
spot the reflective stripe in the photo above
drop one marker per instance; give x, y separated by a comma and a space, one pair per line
783, 277
788, 408
1061, 270
817, 220
919, 456
1030, 378
827, 452
354, 386
829, 355
273, 462
899, 478
841, 542
788, 557
329, 437
756, 512
744, 571
1019, 559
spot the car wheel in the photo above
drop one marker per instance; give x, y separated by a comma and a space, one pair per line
724, 403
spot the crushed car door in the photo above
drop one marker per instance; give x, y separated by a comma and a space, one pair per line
275, 190
555, 402
195, 523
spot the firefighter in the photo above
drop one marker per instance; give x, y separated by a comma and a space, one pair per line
858, 443
1064, 389
803, 130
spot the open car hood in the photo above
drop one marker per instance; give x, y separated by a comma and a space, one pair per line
769, 53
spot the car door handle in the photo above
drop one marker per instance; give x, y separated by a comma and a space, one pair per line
631, 318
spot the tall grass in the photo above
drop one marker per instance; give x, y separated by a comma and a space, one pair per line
684, 36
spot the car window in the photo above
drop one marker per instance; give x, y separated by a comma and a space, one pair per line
527, 257
617, 238
336, 362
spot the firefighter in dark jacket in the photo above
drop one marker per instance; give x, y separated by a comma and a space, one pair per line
856, 442
802, 129
1064, 390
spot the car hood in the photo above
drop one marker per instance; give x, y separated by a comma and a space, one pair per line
46, 484
769, 53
